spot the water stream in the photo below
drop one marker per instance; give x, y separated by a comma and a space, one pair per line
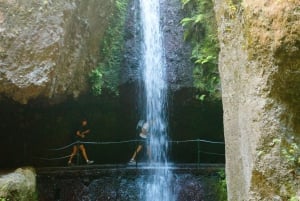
155, 85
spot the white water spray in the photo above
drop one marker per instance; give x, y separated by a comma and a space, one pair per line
154, 76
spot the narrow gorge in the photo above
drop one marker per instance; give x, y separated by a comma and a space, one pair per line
53, 53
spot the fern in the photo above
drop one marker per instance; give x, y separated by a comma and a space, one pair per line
106, 75
201, 31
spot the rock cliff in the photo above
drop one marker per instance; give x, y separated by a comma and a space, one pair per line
47, 48
259, 65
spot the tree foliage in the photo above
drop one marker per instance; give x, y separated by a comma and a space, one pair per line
201, 32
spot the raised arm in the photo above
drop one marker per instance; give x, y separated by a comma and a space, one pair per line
83, 133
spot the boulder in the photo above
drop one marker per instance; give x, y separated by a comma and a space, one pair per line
19, 185
48, 48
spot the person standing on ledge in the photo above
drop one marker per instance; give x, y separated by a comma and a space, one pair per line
143, 141
80, 135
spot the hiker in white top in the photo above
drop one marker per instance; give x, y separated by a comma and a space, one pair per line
143, 140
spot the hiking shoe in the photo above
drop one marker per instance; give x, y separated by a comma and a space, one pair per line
132, 161
89, 162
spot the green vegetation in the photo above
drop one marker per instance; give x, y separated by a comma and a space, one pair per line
294, 198
106, 75
290, 156
222, 186
215, 186
290, 151
201, 32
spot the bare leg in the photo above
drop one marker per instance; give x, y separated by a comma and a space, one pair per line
74, 152
82, 148
138, 149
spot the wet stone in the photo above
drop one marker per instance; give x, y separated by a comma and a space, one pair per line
124, 183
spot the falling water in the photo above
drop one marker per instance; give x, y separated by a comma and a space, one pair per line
157, 188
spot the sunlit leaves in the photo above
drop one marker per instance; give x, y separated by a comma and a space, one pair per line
207, 59
201, 31
106, 75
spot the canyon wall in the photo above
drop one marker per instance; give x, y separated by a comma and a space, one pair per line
47, 48
259, 64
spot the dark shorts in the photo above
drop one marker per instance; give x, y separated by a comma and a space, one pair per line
79, 141
142, 141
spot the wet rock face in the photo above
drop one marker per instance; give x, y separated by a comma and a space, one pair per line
47, 47
259, 67
176, 51
132, 54
125, 184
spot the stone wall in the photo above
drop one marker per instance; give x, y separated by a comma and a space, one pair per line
259, 67
47, 48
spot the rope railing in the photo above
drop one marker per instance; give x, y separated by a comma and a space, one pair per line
197, 140
53, 159
98, 143
131, 141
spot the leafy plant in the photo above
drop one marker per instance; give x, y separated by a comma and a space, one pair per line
291, 153
222, 190
96, 79
216, 186
106, 75
201, 32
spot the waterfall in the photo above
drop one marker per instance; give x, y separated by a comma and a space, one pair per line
154, 76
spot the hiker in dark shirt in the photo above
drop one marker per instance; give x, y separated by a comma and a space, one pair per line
80, 136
